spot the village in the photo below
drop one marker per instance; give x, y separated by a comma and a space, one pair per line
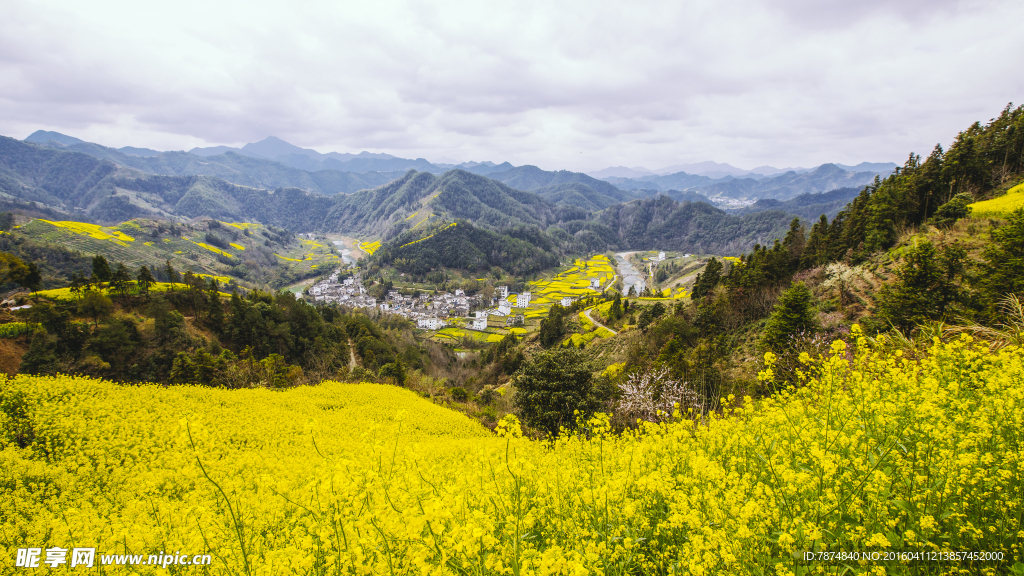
429, 311
451, 316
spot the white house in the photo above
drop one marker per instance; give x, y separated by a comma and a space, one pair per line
595, 283
567, 300
480, 323
430, 323
523, 300
504, 308
502, 292
460, 292
661, 256
481, 314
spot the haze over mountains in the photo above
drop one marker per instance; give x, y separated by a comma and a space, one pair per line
273, 163
524, 214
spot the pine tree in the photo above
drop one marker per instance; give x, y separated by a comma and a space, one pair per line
708, 280
101, 269
120, 280
172, 274
793, 315
145, 279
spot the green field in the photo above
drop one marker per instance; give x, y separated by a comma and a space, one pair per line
139, 243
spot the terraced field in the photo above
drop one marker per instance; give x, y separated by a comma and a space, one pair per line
145, 243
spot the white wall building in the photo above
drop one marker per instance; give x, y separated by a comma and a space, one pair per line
595, 283
480, 323
504, 308
661, 256
430, 323
502, 292
567, 300
523, 300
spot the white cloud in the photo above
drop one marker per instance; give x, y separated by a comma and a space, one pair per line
578, 85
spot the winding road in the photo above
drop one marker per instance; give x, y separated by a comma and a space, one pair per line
596, 323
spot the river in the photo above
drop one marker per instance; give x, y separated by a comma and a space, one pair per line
629, 275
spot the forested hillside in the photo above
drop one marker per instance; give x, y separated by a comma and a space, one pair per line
233, 167
691, 226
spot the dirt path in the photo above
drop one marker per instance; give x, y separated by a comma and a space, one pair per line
587, 314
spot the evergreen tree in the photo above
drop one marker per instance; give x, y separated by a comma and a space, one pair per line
707, 280
793, 315
552, 388
552, 328
794, 244
958, 207
927, 284
214, 308
615, 311
101, 269
1002, 271
145, 279
172, 274
120, 280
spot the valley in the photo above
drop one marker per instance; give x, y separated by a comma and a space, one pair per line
521, 344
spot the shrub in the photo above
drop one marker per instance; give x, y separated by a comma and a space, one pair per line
459, 394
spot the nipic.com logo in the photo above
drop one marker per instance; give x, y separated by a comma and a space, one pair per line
87, 557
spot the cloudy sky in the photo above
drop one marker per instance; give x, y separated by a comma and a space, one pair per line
579, 85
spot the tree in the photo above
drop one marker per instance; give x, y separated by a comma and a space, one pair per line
95, 306
955, 209
393, 371
552, 387
1002, 271
120, 280
145, 279
793, 315
615, 311
101, 269
552, 328
12, 269
32, 279
214, 308
926, 285
707, 280
172, 274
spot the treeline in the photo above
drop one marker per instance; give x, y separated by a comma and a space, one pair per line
981, 159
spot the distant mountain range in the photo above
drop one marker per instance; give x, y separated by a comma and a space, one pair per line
557, 212
717, 170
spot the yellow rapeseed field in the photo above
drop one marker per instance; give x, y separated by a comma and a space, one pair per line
872, 453
1001, 206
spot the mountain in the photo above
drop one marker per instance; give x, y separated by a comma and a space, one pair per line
532, 178
566, 213
785, 186
277, 150
883, 168
621, 172
678, 181
44, 136
708, 168
228, 163
781, 186
808, 207
697, 227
